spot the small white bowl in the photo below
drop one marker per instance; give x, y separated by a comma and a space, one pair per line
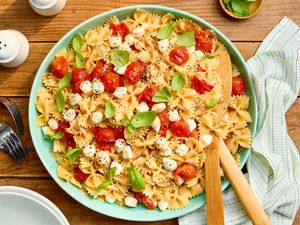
14, 48
47, 7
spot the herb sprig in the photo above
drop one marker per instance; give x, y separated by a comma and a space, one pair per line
239, 7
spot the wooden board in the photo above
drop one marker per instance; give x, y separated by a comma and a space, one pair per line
43, 32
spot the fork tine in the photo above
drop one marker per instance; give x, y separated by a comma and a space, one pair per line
13, 148
17, 115
22, 151
7, 149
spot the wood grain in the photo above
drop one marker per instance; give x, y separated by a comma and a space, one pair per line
17, 14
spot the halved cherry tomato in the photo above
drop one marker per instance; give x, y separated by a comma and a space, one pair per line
203, 41
146, 95
200, 85
164, 122
238, 87
99, 70
59, 67
149, 203
120, 29
199, 69
104, 145
194, 133
67, 138
179, 55
80, 175
78, 76
105, 137
111, 80
186, 171
135, 71
180, 129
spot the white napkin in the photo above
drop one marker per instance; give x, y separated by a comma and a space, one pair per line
274, 165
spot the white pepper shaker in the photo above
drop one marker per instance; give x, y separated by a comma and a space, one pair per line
47, 7
14, 48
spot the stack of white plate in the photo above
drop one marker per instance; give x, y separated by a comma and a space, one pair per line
26, 207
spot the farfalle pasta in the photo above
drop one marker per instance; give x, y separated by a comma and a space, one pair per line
130, 109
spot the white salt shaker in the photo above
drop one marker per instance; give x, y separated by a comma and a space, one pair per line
47, 7
14, 48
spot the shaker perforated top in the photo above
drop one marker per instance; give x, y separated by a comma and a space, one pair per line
9, 46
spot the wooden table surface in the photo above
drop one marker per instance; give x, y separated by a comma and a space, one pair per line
43, 32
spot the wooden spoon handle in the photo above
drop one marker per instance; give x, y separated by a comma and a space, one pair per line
213, 188
241, 187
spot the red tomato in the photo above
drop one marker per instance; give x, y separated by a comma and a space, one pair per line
199, 69
119, 133
146, 95
200, 85
67, 138
180, 129
104, 145
238, 87
59, 67
99, 70
203, 41
80, 175
135, 71
194, 133
186, 171
149, 203
164, 122
78, 76
111, 80
120, 29
105, 137
179, 55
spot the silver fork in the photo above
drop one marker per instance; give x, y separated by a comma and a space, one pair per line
14, 111
10, 143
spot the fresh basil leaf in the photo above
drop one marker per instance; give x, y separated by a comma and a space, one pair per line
119, 58
65, 81
73, 154
186, 39
166, 32
136, 179
143, 119
229, 6
226, 1
103, 185
60, 101
56, 136
212, 104
111, 173
207, 56
77, 43
178, 82
127, 123
241, 7
163, 95
109, 110
79, 61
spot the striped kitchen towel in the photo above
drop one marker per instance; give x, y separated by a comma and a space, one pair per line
274, 165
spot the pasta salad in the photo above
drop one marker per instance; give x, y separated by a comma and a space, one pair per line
130, 109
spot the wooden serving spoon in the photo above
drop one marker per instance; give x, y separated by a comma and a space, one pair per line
213, 188
239, 183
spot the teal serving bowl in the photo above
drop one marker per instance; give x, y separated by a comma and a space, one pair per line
43, 147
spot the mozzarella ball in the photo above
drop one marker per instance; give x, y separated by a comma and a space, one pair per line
138, 32
169, 164
162, 144
114, 41
120, 144
120, 70
131, 201
98, 87
118, 166
127, 152
162, 205
125, 46
97, 117
206, 140
120, 92
191, 50
182, 149
180, 181
192, 124
163, 45
75, 99
103, 157
110, 199
53, 124
86, 86
166, 152
159, 107
199, 54
69, 115
89, 150
143, 107
173, 115
129, 39
156, 124
46, 130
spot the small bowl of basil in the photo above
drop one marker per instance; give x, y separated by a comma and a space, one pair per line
241, 9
